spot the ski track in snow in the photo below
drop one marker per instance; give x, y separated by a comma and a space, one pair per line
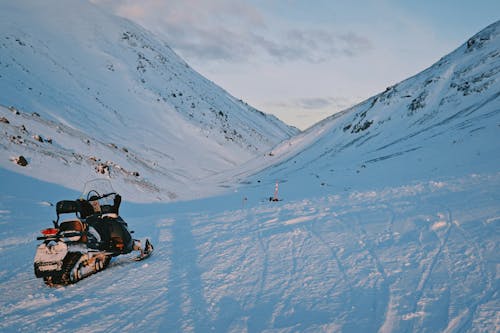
383, 261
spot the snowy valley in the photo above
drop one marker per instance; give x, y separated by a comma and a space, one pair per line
389, 213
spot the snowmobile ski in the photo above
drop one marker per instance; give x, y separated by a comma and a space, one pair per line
146, 252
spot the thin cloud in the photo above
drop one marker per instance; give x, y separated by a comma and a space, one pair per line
354, 44
314, 103
234, 31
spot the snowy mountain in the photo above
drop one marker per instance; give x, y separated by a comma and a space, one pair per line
442, 122
389, 220
111, 95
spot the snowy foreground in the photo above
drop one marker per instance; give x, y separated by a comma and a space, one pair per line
417, 257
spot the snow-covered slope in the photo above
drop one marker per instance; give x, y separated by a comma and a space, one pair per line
443, 122
105, 89
389, 223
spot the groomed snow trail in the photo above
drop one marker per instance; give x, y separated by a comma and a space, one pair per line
420, 257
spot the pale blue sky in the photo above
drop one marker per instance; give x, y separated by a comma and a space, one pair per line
305, 60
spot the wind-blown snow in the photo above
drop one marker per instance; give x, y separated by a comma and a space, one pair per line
389, 221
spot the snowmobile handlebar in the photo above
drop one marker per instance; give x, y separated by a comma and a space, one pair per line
99, 196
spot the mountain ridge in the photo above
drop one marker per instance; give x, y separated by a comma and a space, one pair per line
442, 120
104, 76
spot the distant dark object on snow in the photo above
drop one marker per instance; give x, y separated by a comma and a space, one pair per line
21, 160
4, 120
102, 168
14, 110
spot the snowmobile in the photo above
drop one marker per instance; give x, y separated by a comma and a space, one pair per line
85, 243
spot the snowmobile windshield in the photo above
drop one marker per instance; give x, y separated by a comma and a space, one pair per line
98, 189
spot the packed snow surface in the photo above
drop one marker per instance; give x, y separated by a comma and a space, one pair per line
418, 257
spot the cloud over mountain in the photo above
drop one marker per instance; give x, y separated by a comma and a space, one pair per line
236, 31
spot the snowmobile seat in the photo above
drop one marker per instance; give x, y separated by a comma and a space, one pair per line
74, 226
80, 207
66, 206
85, 208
